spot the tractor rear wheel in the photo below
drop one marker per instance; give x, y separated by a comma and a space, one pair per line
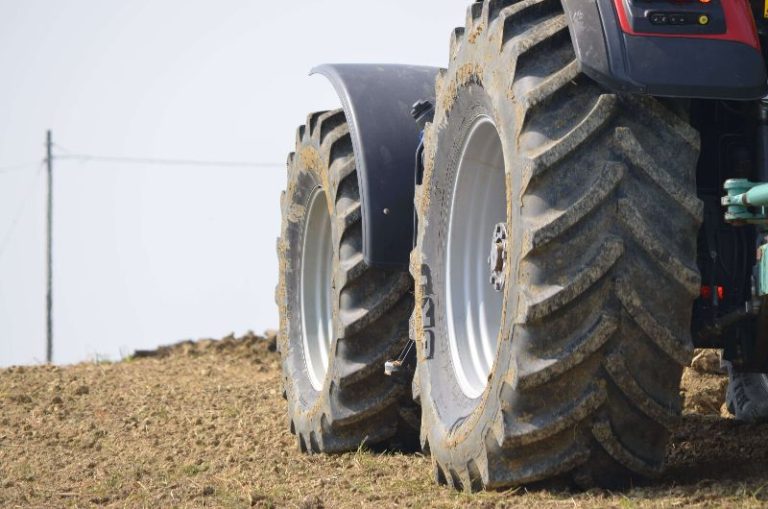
560, 355
340, 319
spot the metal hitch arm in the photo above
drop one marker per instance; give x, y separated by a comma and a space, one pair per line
743, 194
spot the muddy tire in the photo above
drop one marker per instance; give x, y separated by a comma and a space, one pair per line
581, 383
747, 396
340, 320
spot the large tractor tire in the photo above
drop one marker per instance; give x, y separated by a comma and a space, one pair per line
340, 319
587, 203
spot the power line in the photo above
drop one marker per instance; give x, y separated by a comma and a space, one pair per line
19, 212
165, 162
59, 147
86, 158
13, 168
68, 155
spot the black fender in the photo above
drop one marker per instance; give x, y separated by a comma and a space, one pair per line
377, 101
625, 52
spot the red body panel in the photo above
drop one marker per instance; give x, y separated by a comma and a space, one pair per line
738, 17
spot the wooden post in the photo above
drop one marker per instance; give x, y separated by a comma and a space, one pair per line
49, 257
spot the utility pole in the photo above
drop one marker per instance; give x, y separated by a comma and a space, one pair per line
49, 240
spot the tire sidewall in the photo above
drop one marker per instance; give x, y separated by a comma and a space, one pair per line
304, 179
455, 425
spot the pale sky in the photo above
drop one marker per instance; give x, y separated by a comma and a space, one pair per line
149, 255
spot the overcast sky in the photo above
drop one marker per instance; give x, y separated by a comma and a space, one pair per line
148, 255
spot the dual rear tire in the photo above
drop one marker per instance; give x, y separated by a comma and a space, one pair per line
569, 365
340, 319
591, 332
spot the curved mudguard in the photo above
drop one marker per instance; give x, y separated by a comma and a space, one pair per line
618, 46
377, 101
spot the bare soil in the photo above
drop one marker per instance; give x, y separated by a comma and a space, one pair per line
203, 425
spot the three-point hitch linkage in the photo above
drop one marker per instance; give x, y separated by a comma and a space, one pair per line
746, 203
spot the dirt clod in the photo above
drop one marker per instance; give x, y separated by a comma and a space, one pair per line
312, 502
704, 385
256, 497
271, 337
154, 432
21, 399
707, 362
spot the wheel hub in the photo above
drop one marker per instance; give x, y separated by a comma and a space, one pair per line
473, 308
316, 288
497, 259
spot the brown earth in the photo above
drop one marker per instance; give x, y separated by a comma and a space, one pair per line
203, 425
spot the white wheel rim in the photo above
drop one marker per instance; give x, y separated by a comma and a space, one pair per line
316, 288
479, 203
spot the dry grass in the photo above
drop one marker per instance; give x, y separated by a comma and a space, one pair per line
203, 425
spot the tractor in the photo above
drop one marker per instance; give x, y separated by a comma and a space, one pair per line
508, 262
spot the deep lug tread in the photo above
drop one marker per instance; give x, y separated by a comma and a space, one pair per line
333, 440
631, 148
617, 369
338, 148
370, 363
314, 446
350, 215
329, 122
440, 80
608, 180
457, 37
494, 8
345, 415
603, 432
589, 247
353, 320
359, 404
525, 430
536, 373
302, 443
351, 269
553, 153
344, 167
557, 462
540, 34
338, 133
411, 415
474, 12
609, 254
682, 130
551, 85
474, 477
440, 477
632, 219
521, 16
312, 120
661, 335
